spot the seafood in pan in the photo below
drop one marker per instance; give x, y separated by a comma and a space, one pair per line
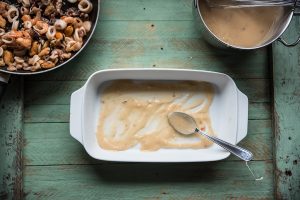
39, 34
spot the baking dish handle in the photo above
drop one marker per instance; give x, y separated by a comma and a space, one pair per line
75, 115
242, 116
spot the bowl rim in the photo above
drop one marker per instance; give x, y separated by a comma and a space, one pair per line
197, 7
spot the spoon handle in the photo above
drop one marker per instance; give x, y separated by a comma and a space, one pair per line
236, 150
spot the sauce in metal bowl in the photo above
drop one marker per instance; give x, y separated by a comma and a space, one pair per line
242, 27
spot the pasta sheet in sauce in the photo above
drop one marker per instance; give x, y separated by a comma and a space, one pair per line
134, 113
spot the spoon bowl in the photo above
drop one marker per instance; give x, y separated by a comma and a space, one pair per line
182, 123
186, 125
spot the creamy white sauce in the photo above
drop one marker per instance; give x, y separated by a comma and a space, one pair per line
134, 114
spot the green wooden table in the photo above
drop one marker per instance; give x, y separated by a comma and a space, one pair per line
40, 160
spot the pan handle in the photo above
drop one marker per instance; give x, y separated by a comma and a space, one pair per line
287, 44
3, 83
296, 7
296, 11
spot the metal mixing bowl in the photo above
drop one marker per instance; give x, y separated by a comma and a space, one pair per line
278, 30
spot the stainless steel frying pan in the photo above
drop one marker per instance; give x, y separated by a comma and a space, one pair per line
94, 15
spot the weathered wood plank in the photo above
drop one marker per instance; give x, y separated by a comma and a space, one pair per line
159, 53
155, 40
214, 180
61, 113
149, 29
47, 113
51, 143
286, 75
59, 92
11, 115
146, 10
259, 111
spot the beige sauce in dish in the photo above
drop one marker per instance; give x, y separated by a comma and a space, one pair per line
135, 114
242, 27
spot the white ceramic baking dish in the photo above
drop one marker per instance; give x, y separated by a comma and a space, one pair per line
228, 112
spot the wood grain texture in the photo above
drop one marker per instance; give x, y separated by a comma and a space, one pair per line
214, 180
61, 113
188, 53
153, 34
51, 144
59, 92
286, 80
11, 143
143, 10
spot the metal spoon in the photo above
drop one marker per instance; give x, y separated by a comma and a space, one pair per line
185, 124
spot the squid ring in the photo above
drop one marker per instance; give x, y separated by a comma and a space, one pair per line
51, 32
85, 6
7, 39
79, 33
12, 14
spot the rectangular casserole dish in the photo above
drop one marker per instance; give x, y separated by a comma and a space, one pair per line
228, 112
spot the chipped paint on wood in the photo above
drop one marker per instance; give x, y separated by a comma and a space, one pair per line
11, 115
286, 80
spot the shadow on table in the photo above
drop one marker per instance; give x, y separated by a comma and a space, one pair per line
158, 172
